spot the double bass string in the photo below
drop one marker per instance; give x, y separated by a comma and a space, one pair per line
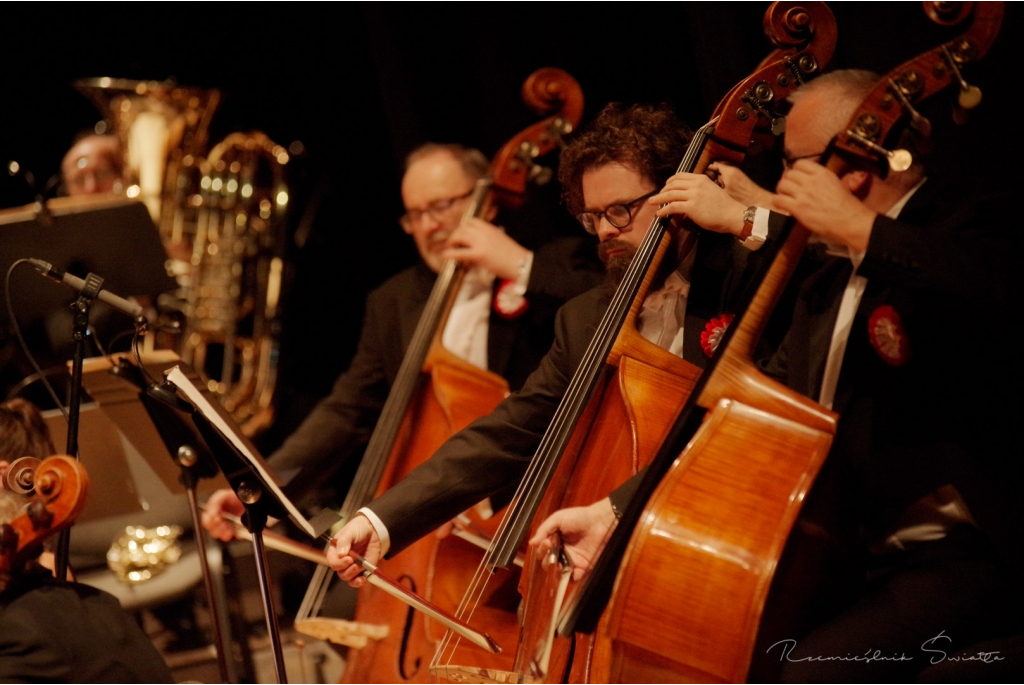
531, 490
378, 450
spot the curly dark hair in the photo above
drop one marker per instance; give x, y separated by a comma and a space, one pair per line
648, 138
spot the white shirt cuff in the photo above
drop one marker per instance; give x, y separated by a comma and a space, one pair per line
759, 232
382, 530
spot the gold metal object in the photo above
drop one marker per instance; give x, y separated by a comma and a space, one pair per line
898, 160
143, 553
222, 220
237, 265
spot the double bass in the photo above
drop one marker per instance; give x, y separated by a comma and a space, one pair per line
435, 395
627, 390
706, 530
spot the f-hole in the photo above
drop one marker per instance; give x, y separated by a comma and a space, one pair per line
410, 584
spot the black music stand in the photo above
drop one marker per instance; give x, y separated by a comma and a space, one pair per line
253, 481
108, 235
163, 435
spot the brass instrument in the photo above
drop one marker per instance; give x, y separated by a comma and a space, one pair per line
222, 219
237, 267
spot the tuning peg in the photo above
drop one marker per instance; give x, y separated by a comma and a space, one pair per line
970, 96
898, 160
540, 175
910, 84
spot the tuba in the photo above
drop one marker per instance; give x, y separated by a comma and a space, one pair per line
222, 218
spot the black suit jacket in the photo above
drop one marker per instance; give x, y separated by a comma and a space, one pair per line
946, 267
70, 633
491, 455
333, 436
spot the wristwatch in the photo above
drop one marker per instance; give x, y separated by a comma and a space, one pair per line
748, 222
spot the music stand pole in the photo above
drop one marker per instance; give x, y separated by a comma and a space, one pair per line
187, 459
255, 521
79, 329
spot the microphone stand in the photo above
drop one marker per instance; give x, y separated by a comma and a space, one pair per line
79, 330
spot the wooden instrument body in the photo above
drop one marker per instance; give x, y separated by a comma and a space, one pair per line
642, 390
633, 412
690, 592
59, 493
452, 394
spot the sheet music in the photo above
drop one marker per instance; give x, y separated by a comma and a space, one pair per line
220, 420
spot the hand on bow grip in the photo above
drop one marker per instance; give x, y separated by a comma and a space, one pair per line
584, 532
222, 502
359, 537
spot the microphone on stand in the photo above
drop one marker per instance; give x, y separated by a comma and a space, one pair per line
91, 286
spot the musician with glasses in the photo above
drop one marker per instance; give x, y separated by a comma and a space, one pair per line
610, 173
501, 319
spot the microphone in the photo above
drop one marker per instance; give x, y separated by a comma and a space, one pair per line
92, 287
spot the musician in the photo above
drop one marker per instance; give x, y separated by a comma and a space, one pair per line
501, 319
94, 164
608, 173
923, 460
52, 631
873, 338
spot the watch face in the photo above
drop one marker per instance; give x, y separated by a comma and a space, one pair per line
748, 214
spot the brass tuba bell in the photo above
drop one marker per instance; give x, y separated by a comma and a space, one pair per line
222, 219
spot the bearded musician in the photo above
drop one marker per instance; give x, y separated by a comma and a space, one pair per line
611, 174
927, 483
501, 318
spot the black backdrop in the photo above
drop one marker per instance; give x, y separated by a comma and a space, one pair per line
361, 84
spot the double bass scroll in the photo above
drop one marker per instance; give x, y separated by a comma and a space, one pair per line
435, 395
710, 536
627, 391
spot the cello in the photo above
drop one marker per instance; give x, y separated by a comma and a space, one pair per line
708, 541
434, 395
627, 390
54, 491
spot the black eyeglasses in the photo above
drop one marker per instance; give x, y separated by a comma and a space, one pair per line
788, 162
436, 209
619, 215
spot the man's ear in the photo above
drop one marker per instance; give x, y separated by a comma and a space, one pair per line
407, 229
492, 212
858, 182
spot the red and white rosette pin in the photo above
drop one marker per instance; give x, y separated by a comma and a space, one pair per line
888, 337
712, 334
508, 302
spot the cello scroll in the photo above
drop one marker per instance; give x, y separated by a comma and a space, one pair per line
55, 492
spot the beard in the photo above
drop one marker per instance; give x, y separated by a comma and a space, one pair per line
615, 266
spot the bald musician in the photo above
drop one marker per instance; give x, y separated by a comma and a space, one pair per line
882, 333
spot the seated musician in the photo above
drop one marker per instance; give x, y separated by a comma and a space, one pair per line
927, 482
608, 172
52, 631
501, 319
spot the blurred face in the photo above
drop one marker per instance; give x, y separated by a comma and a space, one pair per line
435, 192
93, 165
617, 184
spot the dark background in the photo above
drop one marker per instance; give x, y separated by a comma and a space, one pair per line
361, 84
